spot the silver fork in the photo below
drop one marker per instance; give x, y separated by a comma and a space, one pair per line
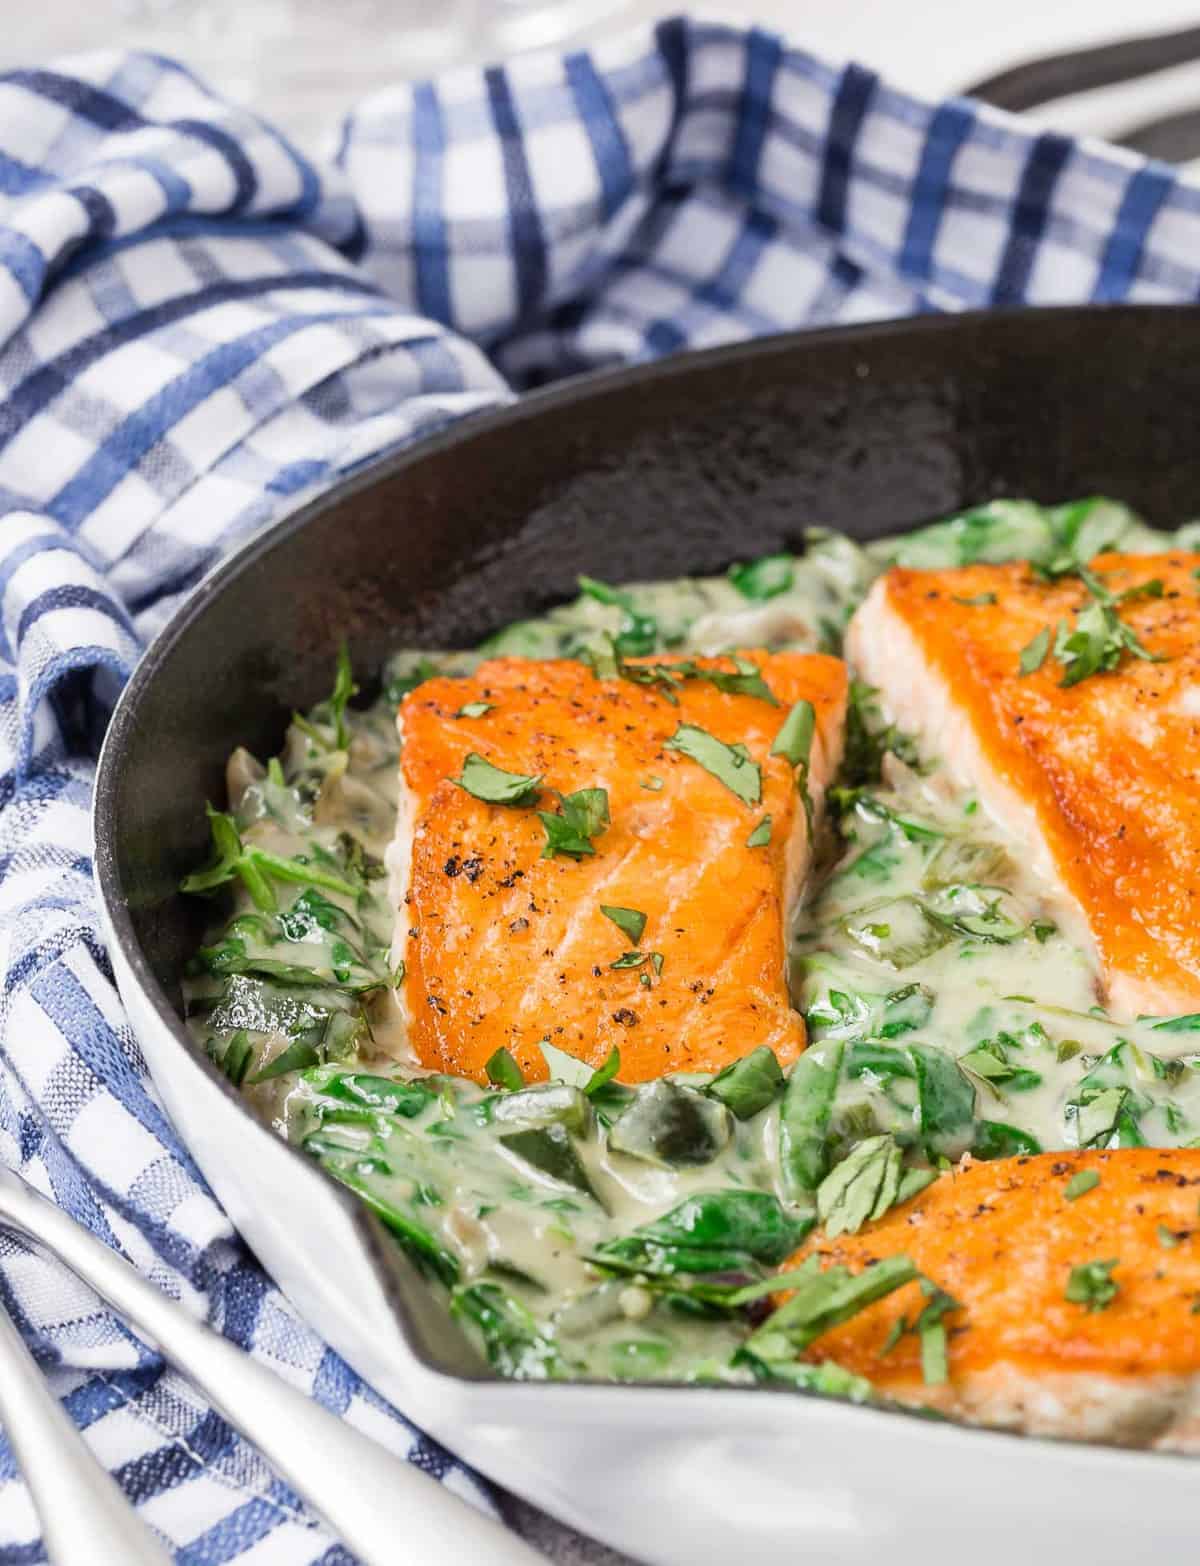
380, 1506
84, 1516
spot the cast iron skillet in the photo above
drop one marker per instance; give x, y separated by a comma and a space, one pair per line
679, 467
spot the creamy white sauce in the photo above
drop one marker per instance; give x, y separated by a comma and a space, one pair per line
883, 961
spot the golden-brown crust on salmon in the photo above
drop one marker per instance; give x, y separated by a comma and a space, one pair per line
1110, 766
505, 947
1002, 1238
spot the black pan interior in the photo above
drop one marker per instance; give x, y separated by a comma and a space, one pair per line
675, 468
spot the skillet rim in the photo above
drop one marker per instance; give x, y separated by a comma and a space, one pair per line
513, 414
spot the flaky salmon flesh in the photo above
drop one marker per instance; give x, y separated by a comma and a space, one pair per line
1100, 777
505, 947
1003, 1239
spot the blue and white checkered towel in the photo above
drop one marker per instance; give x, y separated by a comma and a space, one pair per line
197, 324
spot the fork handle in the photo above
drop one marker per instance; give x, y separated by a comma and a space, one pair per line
382, 1507
85, 1518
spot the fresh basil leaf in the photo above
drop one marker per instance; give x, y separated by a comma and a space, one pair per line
863, 1186
584, 815
994, 1139
912, 1183
630, 921
235, 1058
931, 1333
1033, 654
382, 1095
495, 786
764, 578
761, 835
795, 737
732, 1231
824, 1300
503, 1070
828, 1379
343, 688
1080, 1184
543, 1104
1092, 1285
550, 1150
746, 679
299, 1055
731, 765
1187, 1024
946, 1102
604, 1074
671, 1126
805, 1115
748, 1085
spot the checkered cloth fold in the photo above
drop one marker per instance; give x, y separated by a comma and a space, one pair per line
198, 324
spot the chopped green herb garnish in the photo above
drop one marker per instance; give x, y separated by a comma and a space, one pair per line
745, 679
794, 744
1092, 1285
748, 1085
256, 867
298, 1056
495, 786
604, 1074
822, 1301
474, 709
652, 784
503, 1071
583, 816
1033, 654
1080, 1184
638, 633
795, 737
629, 960
761, 835
931, 1332
863, 1186
977, 602
630, 921
1167, 1238
343, 688
731, 765
765, 578
1099, 638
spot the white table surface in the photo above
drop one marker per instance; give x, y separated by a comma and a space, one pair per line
301, 63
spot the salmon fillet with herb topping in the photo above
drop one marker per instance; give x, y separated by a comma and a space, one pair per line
1072, 707
602, 862
1076, 1282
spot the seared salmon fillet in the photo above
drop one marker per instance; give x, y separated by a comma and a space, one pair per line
1101, 777
1003, 1239
505, 947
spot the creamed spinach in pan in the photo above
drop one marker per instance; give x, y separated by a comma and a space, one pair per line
585, 1228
